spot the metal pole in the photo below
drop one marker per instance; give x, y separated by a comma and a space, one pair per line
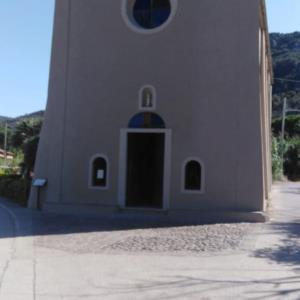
39, 204
283, 120
5, 144
283, 131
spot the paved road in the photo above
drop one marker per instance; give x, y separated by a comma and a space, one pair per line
267, 268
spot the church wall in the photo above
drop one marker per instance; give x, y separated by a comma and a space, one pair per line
205, 69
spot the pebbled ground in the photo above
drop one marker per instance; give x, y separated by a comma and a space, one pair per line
124, 236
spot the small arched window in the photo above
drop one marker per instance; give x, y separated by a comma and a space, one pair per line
193, 176
99, 172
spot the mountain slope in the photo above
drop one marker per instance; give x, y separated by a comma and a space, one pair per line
286, 63
13, 121
4, 119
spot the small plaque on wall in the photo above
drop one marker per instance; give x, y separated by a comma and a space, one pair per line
100, 174
39, 182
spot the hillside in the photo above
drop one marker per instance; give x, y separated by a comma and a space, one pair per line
4, 119
13, 121
286, 62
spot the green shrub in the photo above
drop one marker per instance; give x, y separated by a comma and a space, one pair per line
292, 159
277, 162
15, 188
292, 126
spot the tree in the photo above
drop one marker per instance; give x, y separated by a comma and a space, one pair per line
26, 138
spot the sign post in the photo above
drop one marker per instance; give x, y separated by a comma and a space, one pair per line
39, 184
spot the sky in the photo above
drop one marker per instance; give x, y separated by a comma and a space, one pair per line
25, 43
283, 15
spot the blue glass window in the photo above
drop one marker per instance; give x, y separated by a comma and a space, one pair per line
146, 120
150, 14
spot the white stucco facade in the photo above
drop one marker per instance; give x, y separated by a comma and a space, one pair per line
210, 73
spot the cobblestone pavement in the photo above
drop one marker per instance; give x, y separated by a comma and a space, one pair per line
123, 236
196, 239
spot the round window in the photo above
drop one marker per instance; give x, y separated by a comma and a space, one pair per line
150, 14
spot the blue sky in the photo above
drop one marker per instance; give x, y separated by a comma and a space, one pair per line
25, 40
283, 15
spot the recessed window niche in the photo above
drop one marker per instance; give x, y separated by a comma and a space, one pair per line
98, 172
193, 176
147, 98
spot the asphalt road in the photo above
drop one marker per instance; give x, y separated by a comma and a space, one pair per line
266, 267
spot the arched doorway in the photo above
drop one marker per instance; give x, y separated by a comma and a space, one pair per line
143, 146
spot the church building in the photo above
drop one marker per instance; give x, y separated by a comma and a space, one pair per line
158, 106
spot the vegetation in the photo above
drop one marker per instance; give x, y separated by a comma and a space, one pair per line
12, 167
286, 154
2, 134
292, 159
286, 64
292, 126
15, 187
26, 137
277, 161
15, 174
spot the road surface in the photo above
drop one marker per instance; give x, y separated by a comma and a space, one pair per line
69, 262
